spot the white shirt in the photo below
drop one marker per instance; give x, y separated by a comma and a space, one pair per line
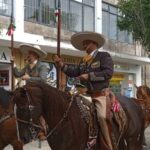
92, 53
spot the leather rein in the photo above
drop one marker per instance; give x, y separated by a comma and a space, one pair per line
31, 107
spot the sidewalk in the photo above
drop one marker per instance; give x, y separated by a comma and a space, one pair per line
147, 136
35, 145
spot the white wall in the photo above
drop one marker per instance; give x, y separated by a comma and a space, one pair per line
98, 16
19, 16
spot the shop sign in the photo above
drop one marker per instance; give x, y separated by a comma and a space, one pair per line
122, 67
5, 55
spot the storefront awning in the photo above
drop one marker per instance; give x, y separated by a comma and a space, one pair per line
67, 48
126, 58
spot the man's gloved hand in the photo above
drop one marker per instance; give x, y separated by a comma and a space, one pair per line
25, 77
58, 61
83, 77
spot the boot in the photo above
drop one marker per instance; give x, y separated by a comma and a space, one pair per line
111, 134
105, 130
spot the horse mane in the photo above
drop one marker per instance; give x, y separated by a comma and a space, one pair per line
59, 97
44, 86
4, 97
147, 90
143, 94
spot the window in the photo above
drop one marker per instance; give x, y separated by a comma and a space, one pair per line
109, 24
113, 27
88, 19
65, 14
76, 15
40, 11
89, 2
4, 77
5, 7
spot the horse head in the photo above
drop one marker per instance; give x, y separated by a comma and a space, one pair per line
8, 129
143, 94
28, 101
5, 107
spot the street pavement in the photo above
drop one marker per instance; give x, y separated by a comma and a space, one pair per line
35, 145
147, 136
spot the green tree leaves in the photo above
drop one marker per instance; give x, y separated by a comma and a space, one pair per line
135, 18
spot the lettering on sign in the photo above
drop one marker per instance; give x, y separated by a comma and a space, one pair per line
3, 56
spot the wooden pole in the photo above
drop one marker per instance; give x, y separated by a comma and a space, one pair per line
12, 62
12, 44
58, 40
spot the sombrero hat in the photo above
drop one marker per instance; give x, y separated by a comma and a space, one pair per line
25, 48
78, 38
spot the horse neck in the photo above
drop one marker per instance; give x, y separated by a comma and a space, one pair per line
147, 103
147, 100
54, 107
7, 110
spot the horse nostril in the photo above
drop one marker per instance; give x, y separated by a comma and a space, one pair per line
26, 138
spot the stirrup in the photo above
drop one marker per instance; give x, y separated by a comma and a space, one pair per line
91, 142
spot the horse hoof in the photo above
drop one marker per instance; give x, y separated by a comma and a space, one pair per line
144, 146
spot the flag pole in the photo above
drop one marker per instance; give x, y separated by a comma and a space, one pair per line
58, 38
12, 41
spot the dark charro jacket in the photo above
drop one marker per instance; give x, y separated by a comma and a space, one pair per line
37, 73
100, 71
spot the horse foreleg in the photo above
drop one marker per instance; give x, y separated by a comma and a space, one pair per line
133, 144
17, 145
122, 144
2, 145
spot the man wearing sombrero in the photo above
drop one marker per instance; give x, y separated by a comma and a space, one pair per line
34, 70
94, 71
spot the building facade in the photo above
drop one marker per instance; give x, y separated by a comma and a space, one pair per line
36, 23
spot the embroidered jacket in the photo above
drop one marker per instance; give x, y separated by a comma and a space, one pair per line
99, 68
37, 73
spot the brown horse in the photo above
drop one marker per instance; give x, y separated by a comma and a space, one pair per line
143, 95
8, 130
68, 129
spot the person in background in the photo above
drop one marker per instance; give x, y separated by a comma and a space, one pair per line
94, 71
34, 70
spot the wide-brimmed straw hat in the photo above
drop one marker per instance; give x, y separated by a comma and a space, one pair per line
25, 48
78, 38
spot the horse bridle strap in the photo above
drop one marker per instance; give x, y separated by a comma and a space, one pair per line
4, 118
31, 107
62, 119
27, 122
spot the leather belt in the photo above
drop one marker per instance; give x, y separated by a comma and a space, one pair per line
97, 94
104, 92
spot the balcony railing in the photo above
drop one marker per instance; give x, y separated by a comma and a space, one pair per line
125, 48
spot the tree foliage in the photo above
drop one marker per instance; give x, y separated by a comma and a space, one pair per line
135, 18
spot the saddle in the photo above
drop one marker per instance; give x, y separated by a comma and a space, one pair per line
88, 113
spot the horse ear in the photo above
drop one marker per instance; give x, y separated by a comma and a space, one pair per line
135, 86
